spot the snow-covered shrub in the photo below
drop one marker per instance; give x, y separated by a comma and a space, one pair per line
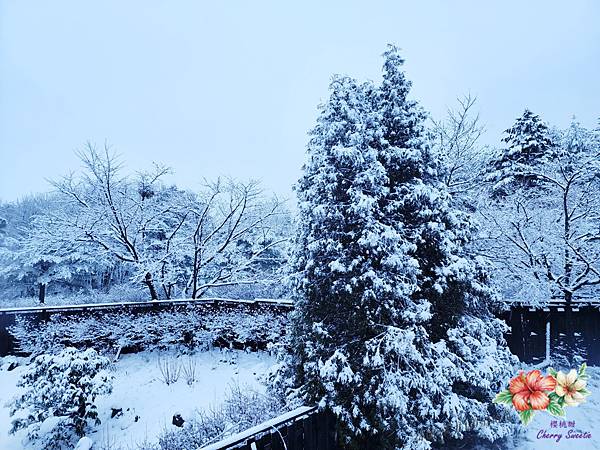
195, 327
188, 370
60, 391
169, 370
243, 408
247, 407
206, 427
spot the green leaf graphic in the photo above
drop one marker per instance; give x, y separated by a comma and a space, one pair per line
526, 416
552, 372
555, 409
504, 397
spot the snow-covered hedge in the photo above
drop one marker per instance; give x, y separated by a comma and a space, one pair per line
58, 402
192, 327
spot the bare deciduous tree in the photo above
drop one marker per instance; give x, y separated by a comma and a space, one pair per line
111, 212
183, 242
546, 240
234, 232
457, 141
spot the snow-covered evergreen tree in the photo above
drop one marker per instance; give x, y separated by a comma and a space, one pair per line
528, 145
392, 329
58, 397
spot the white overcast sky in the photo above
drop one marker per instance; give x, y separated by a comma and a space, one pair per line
231, 87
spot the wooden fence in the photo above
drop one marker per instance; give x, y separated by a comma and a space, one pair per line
555, 329
564, 330
304, 428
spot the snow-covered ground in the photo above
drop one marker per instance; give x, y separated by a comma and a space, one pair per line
541, 434
139, 392
147, 403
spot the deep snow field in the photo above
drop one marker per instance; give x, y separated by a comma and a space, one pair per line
139, 391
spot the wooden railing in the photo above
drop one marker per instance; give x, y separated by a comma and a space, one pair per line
305, 428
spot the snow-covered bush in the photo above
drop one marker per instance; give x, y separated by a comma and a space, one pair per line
170, 369
188, 370
60, 390
243, 408
197, 326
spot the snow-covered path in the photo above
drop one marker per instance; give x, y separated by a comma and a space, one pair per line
585, 418
147, 403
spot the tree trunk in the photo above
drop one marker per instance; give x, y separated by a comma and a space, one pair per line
42, 292
148, 282
167, 290
195, 275
570, 346
106, 276
568, 268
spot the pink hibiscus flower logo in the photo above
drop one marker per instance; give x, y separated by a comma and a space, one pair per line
532, 391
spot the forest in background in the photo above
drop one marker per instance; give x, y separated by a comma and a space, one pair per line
110, 233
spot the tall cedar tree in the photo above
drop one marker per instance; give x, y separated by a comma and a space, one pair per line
391, 329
